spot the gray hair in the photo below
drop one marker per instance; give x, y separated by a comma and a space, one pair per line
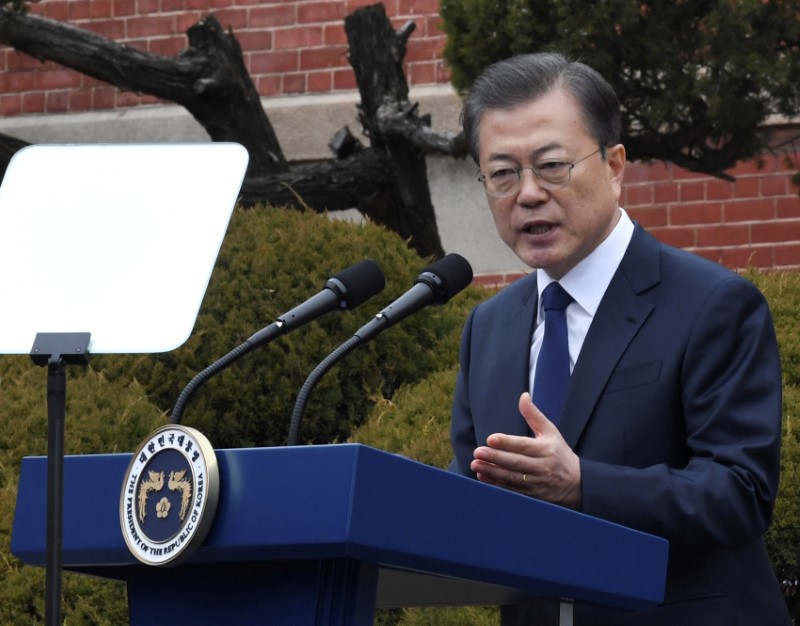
524, 78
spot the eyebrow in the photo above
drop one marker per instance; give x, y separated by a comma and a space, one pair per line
503, 156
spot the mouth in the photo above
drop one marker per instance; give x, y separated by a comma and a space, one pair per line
538, 229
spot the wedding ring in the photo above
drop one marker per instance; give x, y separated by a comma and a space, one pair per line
524, 476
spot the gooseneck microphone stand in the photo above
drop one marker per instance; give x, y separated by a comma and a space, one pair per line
313, 378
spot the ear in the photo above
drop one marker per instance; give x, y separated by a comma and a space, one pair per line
615, 161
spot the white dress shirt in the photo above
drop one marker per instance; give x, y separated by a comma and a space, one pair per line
586, 283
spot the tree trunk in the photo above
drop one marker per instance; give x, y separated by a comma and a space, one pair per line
376, 54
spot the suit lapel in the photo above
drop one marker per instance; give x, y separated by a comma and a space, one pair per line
512, 371
620, 316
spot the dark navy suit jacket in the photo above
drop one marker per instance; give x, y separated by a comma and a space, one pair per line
674, 408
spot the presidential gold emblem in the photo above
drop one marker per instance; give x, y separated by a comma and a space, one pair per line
169, 495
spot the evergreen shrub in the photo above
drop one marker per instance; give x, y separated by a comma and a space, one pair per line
100, 417
273, 259
782, 290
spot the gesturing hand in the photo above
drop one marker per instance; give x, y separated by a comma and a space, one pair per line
544, 467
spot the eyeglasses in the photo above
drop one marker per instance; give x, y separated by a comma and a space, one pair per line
504, 181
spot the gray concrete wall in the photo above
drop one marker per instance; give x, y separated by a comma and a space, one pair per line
305, 125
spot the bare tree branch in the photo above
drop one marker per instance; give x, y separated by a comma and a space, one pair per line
387, 181
209, 78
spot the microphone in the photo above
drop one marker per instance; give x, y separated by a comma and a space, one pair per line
346, 290
436, 284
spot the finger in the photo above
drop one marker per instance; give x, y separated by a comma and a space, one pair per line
501, 477
509, 458
509, 443
536, 420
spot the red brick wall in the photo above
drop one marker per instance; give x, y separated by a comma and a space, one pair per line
754, 221
290, 47
299, 47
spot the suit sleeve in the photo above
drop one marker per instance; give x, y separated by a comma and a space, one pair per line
462, 430
731, 402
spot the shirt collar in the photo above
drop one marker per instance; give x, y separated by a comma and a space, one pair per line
588, 280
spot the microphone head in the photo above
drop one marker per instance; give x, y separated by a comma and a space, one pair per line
358, 283
447, 276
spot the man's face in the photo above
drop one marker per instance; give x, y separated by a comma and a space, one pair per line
551, 229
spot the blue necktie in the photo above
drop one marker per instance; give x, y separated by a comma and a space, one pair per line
552, 366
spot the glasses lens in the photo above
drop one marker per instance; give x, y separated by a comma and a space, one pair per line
555, 173
504, 182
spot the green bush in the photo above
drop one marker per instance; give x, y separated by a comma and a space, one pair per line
272, 260
782, 290
416, 422
100, 417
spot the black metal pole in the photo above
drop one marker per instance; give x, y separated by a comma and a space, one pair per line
56, 351
56, 413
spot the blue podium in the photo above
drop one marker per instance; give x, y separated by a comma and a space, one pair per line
322, 535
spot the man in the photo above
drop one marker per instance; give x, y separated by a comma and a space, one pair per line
671, 420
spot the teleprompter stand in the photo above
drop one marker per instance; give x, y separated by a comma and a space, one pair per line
56, 351
122, 211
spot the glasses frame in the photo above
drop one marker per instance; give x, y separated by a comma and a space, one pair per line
540, 181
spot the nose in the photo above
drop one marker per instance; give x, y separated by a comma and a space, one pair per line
529, 188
